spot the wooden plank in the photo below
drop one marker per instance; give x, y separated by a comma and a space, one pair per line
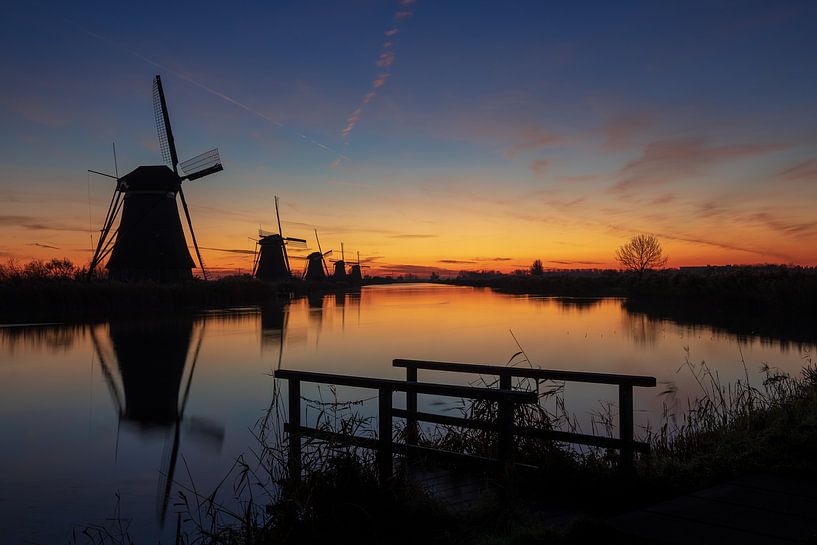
528, 372
384, 438
449, 390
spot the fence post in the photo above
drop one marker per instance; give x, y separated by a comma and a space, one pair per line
505, 422
411, 408
625, 424
294, 429
384, 421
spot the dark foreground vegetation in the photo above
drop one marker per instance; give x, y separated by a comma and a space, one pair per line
728, 431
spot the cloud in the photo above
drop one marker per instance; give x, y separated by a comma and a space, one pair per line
493, 259
621, 130
575, 262
539, 166
410, 235
229, 250
533, 138
455, 261
666, 161
36, 224
41, 245
795, 229
805, 171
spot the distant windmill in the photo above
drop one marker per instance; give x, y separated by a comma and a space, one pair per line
273, 260
316, 268
149, 243
340, 267
355, 275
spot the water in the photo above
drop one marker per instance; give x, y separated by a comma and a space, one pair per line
92, 416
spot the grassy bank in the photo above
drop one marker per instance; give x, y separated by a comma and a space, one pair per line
728, 431
770, 287
59, 291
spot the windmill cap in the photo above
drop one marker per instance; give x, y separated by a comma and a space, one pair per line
151, 178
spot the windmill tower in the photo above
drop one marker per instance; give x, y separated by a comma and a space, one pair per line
316, 268
355, 276
340, 267
149, 243
273, 261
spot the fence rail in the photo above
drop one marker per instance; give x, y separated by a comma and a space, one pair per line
505, 397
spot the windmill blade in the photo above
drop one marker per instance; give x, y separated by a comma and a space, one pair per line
192, 233
281, 234
297, 243
202, 165
323, 255
163, 128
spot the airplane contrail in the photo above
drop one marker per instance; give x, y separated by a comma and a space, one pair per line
204, 87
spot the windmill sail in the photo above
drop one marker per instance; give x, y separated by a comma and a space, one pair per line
166, 142
202, 165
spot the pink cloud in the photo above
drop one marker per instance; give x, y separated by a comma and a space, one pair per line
805, 171
403, 15
666, 161
533, 138
391, 32
386, 59
621, 130
539, 166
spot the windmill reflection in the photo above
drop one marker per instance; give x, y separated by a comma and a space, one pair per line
152, 360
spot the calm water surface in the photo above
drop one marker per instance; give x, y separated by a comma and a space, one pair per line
89, 413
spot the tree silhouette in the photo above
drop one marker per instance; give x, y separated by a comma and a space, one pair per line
641, 253
537, 269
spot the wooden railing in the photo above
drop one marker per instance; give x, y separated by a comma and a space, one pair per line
505, 397
625, 441
384, 445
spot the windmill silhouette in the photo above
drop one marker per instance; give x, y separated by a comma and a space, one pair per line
355, 275
272, 262
316, 268
340, 267
149, 243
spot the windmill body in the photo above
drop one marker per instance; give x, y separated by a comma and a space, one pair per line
354, 275
272, 261
314, 267
340, 271
151, 243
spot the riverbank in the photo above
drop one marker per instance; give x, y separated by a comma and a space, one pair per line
730, 431
746, 287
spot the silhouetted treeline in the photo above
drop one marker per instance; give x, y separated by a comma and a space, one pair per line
770, 286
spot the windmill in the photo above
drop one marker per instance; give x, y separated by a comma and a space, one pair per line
340, 267
149, 243
273, 261
316, 268
355, 276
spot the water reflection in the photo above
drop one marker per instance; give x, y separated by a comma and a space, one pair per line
152, 361
123, 402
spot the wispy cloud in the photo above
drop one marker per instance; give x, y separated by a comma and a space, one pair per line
801, 172
456, 261
539, 166
32, 223
41, 245
574, 262
384, 62
412, 235
531, 139
666, 161
229, 250
621, 130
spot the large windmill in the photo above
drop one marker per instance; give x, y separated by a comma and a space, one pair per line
340, 267
273, 261
149, 243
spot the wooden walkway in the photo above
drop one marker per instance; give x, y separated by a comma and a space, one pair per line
759, 509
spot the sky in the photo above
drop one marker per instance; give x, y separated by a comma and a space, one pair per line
426, 135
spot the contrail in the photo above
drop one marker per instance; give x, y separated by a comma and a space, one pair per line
204, 87
384, 63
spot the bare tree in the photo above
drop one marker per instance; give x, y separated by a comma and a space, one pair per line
537, 269
641, 253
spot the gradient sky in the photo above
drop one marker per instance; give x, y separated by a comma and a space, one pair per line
479, 135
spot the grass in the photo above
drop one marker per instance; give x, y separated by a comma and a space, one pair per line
727, 430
